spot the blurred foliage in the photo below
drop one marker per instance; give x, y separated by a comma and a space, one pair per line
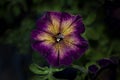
18, 18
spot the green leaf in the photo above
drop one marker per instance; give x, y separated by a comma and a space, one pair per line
95, 31
90, 19
16, 10
38, 78
38, 70
43, 78
91, 34
82, 69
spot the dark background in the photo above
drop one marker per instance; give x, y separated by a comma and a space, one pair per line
18, 18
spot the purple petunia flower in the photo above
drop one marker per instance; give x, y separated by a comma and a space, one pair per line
58, 38
104, 69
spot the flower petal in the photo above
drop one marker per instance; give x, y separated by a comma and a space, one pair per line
42, 48
104, 62
59, 56
42, 36
66, 60
42, 42
64, 57
78, 45
55, 19
93, 69
50, 22
78, 24
53, 59
43, 22
71, 24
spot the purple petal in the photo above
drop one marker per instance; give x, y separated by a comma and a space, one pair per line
38, 35
40, 47
66, 16
40, 43
79, 26
42, 23
34, 35
67, 59
93, 69
50, 22
74, 51
60, 56
71, 53
73, 22
80, 45
104, 62
83, 45
55, 14
53, 59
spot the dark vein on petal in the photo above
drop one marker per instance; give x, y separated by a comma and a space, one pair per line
71, 43
58, 51
49, 20
75, 20
52, 23
60, 23
51, 34
58, 57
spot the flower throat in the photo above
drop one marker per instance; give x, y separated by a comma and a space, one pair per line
59, 37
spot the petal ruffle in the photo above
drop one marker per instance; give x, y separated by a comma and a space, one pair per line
77, 42
71, 24
42, 36
50, 22
42, 48
41, 41
104, 62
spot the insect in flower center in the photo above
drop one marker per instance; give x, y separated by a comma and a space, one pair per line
59, 37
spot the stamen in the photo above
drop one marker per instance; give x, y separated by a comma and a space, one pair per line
59, 37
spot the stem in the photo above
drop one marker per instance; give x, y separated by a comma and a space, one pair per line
110, 49
50, 74
82, 69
